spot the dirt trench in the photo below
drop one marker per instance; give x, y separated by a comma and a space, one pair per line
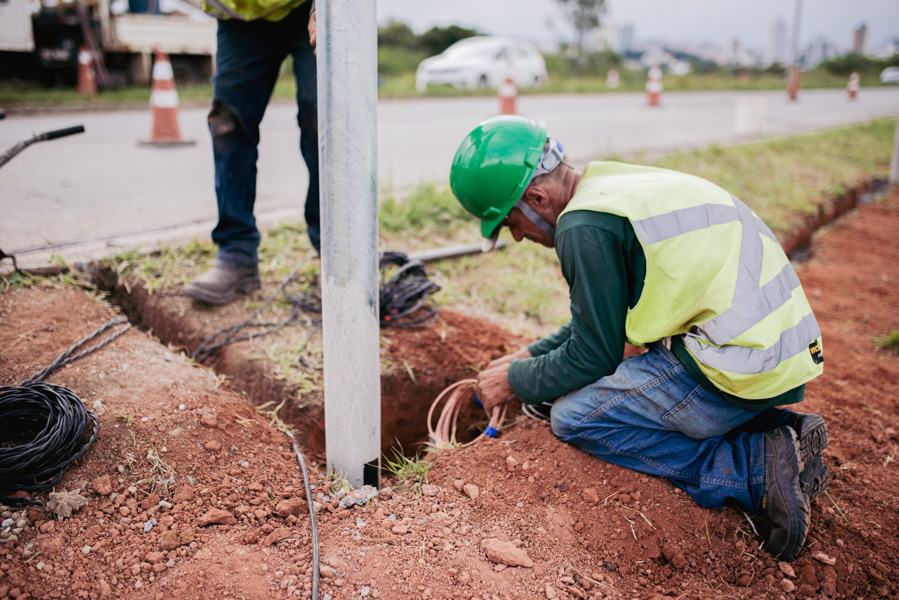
417, 364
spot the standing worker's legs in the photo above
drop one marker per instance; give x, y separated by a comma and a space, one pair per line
652, 416
248, 59
307, 119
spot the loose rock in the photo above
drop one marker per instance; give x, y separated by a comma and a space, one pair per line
787, 569
216, 516
282, 533
505, 553
471, 490
102, 485
674, 555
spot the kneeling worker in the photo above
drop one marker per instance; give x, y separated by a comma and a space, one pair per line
674, 263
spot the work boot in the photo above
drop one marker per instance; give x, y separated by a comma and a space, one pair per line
812, 433
220, 284
783, 503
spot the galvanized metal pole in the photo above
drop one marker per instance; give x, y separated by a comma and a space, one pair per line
347, 133
793, 85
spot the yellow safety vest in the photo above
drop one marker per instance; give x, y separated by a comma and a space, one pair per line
248, 10
715, 274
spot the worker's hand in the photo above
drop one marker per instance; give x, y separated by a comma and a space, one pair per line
493, 387
508, 358
312, 29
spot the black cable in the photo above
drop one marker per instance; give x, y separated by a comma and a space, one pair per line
66, 357
404, 298
311, 506
46, 423
42, 425
306, 303
15, 265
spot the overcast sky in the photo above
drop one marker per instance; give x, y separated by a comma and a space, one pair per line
717, 21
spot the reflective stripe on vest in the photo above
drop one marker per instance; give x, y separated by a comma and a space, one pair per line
750, 304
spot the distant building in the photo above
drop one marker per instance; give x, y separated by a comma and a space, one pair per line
627, 39
859, 39
888, 49
777, 43
819, 50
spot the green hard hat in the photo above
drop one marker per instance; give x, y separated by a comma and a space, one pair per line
493, 166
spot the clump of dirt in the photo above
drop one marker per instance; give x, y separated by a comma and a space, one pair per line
194, 494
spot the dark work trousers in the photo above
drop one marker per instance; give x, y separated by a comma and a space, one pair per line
249, 57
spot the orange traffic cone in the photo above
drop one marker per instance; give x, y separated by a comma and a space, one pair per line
612, 79
654, 86
793, 84
164, 105
87, 77
508, 92
853, 86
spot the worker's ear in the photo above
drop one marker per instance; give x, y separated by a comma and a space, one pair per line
537, 194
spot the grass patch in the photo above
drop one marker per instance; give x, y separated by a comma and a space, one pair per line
890, 342
411, 473
426, 209
781, 180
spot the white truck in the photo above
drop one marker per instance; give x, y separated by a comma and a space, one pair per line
41, 39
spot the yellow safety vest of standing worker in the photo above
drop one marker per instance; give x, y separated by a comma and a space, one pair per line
248, 10
715, 274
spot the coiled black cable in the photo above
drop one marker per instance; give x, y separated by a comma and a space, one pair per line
42, 426
405, 297
46, 423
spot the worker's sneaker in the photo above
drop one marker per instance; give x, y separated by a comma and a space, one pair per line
812, 433
783, 503
222, 282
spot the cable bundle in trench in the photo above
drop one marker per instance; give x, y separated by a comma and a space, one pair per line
443, 435
42, 426
404, 297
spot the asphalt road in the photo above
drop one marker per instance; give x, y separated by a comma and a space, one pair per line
100, 192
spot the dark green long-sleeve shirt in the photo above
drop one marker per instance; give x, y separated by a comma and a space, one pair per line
605, 267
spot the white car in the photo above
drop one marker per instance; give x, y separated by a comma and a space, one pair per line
479, 62
890, 75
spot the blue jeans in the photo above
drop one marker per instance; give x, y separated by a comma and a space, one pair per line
652, 416
248, 60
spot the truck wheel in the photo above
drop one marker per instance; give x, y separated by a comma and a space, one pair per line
187, 72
